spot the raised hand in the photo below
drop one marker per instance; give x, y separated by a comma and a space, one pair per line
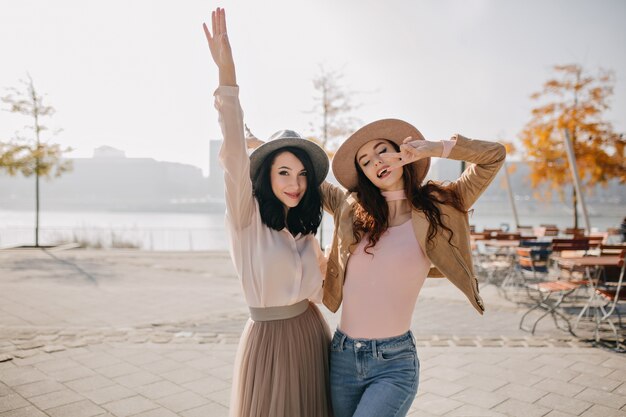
220, 47
411, 150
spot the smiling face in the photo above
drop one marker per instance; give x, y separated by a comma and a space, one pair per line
375, 169
289, 179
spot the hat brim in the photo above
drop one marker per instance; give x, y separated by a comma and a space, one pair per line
395, 130
318, 157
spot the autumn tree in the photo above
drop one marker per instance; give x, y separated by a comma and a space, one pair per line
576, 101
333, 105
30, 154
12, 158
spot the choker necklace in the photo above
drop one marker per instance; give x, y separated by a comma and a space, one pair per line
394, 195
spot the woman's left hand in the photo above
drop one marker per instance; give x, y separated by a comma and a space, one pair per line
412, 150
252, 142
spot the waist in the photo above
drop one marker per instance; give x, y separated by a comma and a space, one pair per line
279, 312
342, 340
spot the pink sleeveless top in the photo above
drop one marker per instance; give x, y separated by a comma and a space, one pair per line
380, 291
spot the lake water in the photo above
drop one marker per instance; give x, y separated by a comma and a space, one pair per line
185, 231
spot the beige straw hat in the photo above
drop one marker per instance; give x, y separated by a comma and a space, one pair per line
394, 130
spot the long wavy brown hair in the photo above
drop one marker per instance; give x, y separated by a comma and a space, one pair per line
371, 213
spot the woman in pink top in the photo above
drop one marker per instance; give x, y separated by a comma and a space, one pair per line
389, 228
273, 209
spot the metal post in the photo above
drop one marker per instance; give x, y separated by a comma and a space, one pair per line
569, 147
510, 192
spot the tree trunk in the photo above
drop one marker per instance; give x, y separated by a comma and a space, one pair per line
325, 140
37, 128
575, 205
37, 206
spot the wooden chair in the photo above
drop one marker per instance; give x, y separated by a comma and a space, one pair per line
570, 247
612, 292
531, 267
597, 239
575, 244
552, 292
491, 232
552, 305
481, 236
550, 230
574, 232
507, 236
612, 249
534, 243
534, 261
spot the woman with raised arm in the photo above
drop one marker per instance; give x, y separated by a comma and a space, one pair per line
390, 227
273, 209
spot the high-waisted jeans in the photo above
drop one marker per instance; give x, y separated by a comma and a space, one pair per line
373, 377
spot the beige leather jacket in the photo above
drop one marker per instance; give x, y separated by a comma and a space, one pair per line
454, 261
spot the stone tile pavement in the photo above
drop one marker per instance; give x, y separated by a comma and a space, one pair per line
131, 333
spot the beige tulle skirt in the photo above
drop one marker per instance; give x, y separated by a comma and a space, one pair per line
281, 368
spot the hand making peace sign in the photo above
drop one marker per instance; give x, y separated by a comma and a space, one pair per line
412, 150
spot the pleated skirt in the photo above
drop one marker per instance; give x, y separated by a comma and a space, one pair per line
281, 368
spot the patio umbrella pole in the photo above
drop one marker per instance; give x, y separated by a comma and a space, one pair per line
510, 192
572, 163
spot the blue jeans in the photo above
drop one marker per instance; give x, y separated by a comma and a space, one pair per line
373, 377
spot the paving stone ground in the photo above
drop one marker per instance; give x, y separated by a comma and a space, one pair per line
130, 333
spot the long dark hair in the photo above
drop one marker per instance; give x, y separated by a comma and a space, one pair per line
307, 215
371, 214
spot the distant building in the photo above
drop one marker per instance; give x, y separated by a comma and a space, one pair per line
108, 152
111, 181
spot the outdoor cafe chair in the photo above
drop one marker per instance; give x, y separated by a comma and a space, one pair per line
493, 263
533, 243
507, 236
574, 231
491, 267
574, 244
597, 239
551, 295
612, 288
551, 292
549, 229
567, 247
608, 292
614, 249
531, 267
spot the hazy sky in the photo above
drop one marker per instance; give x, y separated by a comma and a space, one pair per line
137, 75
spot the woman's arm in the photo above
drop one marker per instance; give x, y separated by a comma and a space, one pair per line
219, 46
332, 197
485, 157
233, 156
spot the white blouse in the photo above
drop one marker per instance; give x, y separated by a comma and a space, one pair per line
275, 268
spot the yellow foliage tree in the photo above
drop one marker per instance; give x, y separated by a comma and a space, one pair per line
576, 101
32, 155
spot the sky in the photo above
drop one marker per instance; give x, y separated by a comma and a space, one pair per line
137, 74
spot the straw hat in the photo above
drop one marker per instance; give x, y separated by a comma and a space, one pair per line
284, 138
394, 130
